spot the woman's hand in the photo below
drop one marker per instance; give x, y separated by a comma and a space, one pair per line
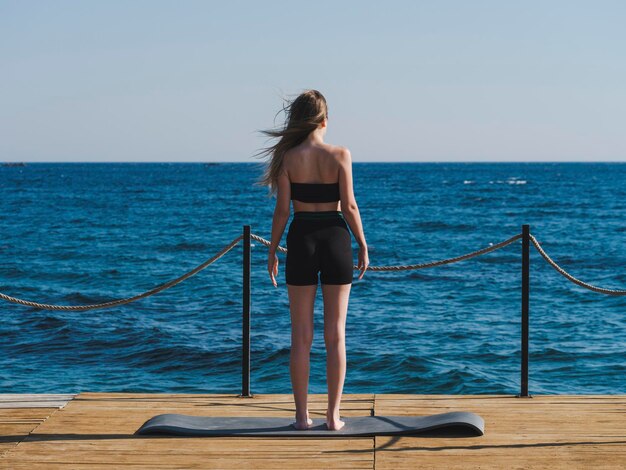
272, 266
364, 260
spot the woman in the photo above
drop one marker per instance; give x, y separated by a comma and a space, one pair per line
318, 178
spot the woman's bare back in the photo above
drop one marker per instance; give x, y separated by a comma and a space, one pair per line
313, 162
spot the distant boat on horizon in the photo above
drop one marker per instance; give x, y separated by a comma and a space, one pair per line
13, 164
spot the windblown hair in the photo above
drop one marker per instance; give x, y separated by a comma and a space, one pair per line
303, 115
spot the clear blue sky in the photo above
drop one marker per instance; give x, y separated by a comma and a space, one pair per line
405, 80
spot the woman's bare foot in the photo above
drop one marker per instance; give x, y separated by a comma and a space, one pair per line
333, 422
303, 424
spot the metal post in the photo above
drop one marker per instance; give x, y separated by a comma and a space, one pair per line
245, 352
525, 308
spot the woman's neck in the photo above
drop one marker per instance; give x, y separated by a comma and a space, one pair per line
316, 136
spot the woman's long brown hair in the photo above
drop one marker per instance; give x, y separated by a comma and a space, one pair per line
303, 115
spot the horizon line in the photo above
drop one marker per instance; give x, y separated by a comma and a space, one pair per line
18, 162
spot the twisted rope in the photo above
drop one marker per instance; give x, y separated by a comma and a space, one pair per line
114, 303
267, 242
569, 276
422, 265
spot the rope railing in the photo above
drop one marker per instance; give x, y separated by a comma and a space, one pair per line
571, 278
247, 237
128, 300
267, 243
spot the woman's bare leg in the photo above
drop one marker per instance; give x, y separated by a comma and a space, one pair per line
301, 304
335, 311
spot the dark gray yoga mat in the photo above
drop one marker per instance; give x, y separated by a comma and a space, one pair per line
458, 423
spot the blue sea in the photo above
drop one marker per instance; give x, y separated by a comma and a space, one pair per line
82, 233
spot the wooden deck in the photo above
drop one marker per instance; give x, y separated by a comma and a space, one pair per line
95, 430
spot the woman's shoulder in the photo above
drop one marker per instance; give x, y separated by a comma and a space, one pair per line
296, 156
339, 151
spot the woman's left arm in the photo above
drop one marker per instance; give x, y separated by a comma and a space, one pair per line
281, 216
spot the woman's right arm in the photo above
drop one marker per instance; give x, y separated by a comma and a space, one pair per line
349, 207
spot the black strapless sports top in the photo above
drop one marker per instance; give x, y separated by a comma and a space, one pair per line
315, 192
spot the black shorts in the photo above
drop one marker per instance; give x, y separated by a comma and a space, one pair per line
318, 241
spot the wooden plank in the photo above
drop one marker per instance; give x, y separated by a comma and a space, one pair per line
546, 431
43, 400
96, 430
17, 423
